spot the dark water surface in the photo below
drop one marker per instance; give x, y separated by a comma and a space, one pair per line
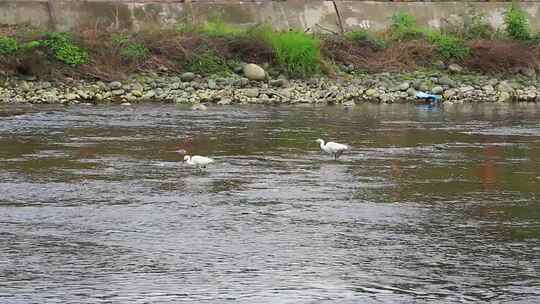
431, 206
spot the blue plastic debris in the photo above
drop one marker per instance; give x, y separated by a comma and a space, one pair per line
428, 97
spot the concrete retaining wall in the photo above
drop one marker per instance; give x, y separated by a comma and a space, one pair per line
318, 15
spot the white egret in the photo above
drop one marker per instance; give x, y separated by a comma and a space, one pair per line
333, 148
198, 161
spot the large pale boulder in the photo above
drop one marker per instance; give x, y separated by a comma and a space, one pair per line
254, 72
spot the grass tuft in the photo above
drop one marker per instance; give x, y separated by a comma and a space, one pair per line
8, 45
208, 62
64, 49
296, 52
516, 23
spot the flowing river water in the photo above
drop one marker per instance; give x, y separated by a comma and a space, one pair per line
432, 205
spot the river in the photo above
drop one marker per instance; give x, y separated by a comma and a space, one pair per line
432, 205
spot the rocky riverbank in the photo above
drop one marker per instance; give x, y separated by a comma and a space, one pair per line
250, 86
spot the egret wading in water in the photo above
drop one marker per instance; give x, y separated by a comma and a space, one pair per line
333, 148
198, 161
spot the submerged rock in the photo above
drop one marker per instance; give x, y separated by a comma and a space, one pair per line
199, 107
349, 104
504, 97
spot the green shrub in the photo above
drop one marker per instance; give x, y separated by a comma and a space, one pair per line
297, 52
185, 27
134, 51
475, 25
8, 45
216, 27
448, 46
263, 32
208, 62
516, 23
404, 26
364, 36
128, 49
64, 49
119, 39
28, 46
535, 39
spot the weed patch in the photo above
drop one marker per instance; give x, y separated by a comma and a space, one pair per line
8, 45
474, 26
363, 37
516, 23
216, 27
448, 46
296, 52
207, 63
403, 27
64, 49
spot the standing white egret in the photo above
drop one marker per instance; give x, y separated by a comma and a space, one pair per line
333, 148
198, 161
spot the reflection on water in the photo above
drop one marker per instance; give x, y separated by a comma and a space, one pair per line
432, 205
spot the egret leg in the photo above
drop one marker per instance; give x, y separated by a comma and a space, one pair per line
338, 154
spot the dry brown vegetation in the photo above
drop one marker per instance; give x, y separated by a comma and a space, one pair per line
502, 56
399, 56
170, 51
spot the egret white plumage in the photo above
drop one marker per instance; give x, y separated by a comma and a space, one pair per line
198, 161
333, 148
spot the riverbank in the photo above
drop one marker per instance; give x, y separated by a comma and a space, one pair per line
238, 89
216, 62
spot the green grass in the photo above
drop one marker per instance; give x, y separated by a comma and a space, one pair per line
208, 62
134, 51
516, 23
216, 27
404, 26
296, 52
8, 45
129, 49
448, 46
475, 25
